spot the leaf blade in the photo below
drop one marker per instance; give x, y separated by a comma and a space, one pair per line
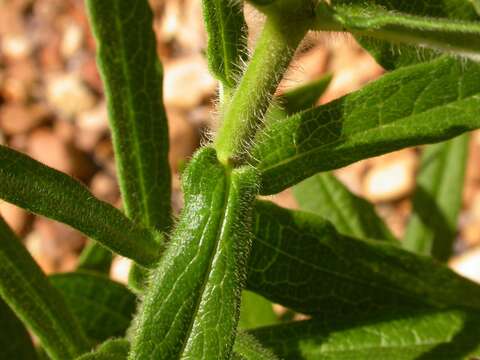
25, 288
105, 308
48, 192
15, 342
205, 264
392, 56
400, 109
437, 199
227, 35
414, 335
351, 215
256, 311
133, 88
298, 260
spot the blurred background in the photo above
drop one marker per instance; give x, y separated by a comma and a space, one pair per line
52, 107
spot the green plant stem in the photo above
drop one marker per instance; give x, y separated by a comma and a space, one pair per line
25, 288
243, 115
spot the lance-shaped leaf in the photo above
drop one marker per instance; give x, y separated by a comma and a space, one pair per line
438, 199
105, 308
248, 348
425, 103
415, 335
256, 311
351, 215
25, 288
191, 308
300, 261
132, 77
15, 341
115, 349
391, 55
48, 192
227, 37
447, 35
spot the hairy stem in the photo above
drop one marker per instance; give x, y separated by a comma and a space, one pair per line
244, 114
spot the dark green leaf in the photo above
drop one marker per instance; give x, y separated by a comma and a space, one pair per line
227, 37
116, 349
438, 199
15, 341
95, 257
191, 308
351, 215
132, 77
25, 288
420, 335
391, 56
256, 311
45, 191
248, 348
425, 103
105, 308
299, 260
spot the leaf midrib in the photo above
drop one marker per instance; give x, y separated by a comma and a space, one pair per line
146, 216
393, 124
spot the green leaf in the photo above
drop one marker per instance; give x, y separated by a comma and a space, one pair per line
256, 311
227, 37
439, 34
132, 77
115, 349
248, 348
305, 96
95, 257
425, 103
438, 199
299, 260
351, 215
105, 308
391, 56
15, 341
191, 308
415, 335
25, 288
45, 191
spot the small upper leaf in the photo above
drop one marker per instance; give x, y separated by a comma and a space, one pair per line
392, 56
420, 104
227, 37
438, 199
